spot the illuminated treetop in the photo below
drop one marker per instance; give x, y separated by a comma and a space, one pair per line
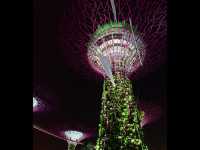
73, 138
115, 47
74, 135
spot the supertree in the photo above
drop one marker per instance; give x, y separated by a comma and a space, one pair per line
115, 50
74, 137
117, 41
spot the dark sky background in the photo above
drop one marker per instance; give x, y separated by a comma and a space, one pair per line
72, 100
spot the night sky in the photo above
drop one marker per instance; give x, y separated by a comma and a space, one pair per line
70, 90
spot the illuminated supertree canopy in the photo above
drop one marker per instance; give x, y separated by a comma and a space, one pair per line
114, 45
35, 102
149, 24
38, 105
80, 46
74, 137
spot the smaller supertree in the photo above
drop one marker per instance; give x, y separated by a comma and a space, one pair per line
35, 102
74, 137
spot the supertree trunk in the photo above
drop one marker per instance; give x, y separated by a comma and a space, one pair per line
119, 127
71, 145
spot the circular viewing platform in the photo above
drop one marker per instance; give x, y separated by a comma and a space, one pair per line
122, 48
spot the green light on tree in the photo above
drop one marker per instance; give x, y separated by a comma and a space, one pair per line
119, 127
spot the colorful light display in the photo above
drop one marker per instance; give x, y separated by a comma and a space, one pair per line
115, 51
119, 45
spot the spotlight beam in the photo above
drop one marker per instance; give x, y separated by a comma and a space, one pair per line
114, 9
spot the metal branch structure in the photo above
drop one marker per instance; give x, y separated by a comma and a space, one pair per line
148, 19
